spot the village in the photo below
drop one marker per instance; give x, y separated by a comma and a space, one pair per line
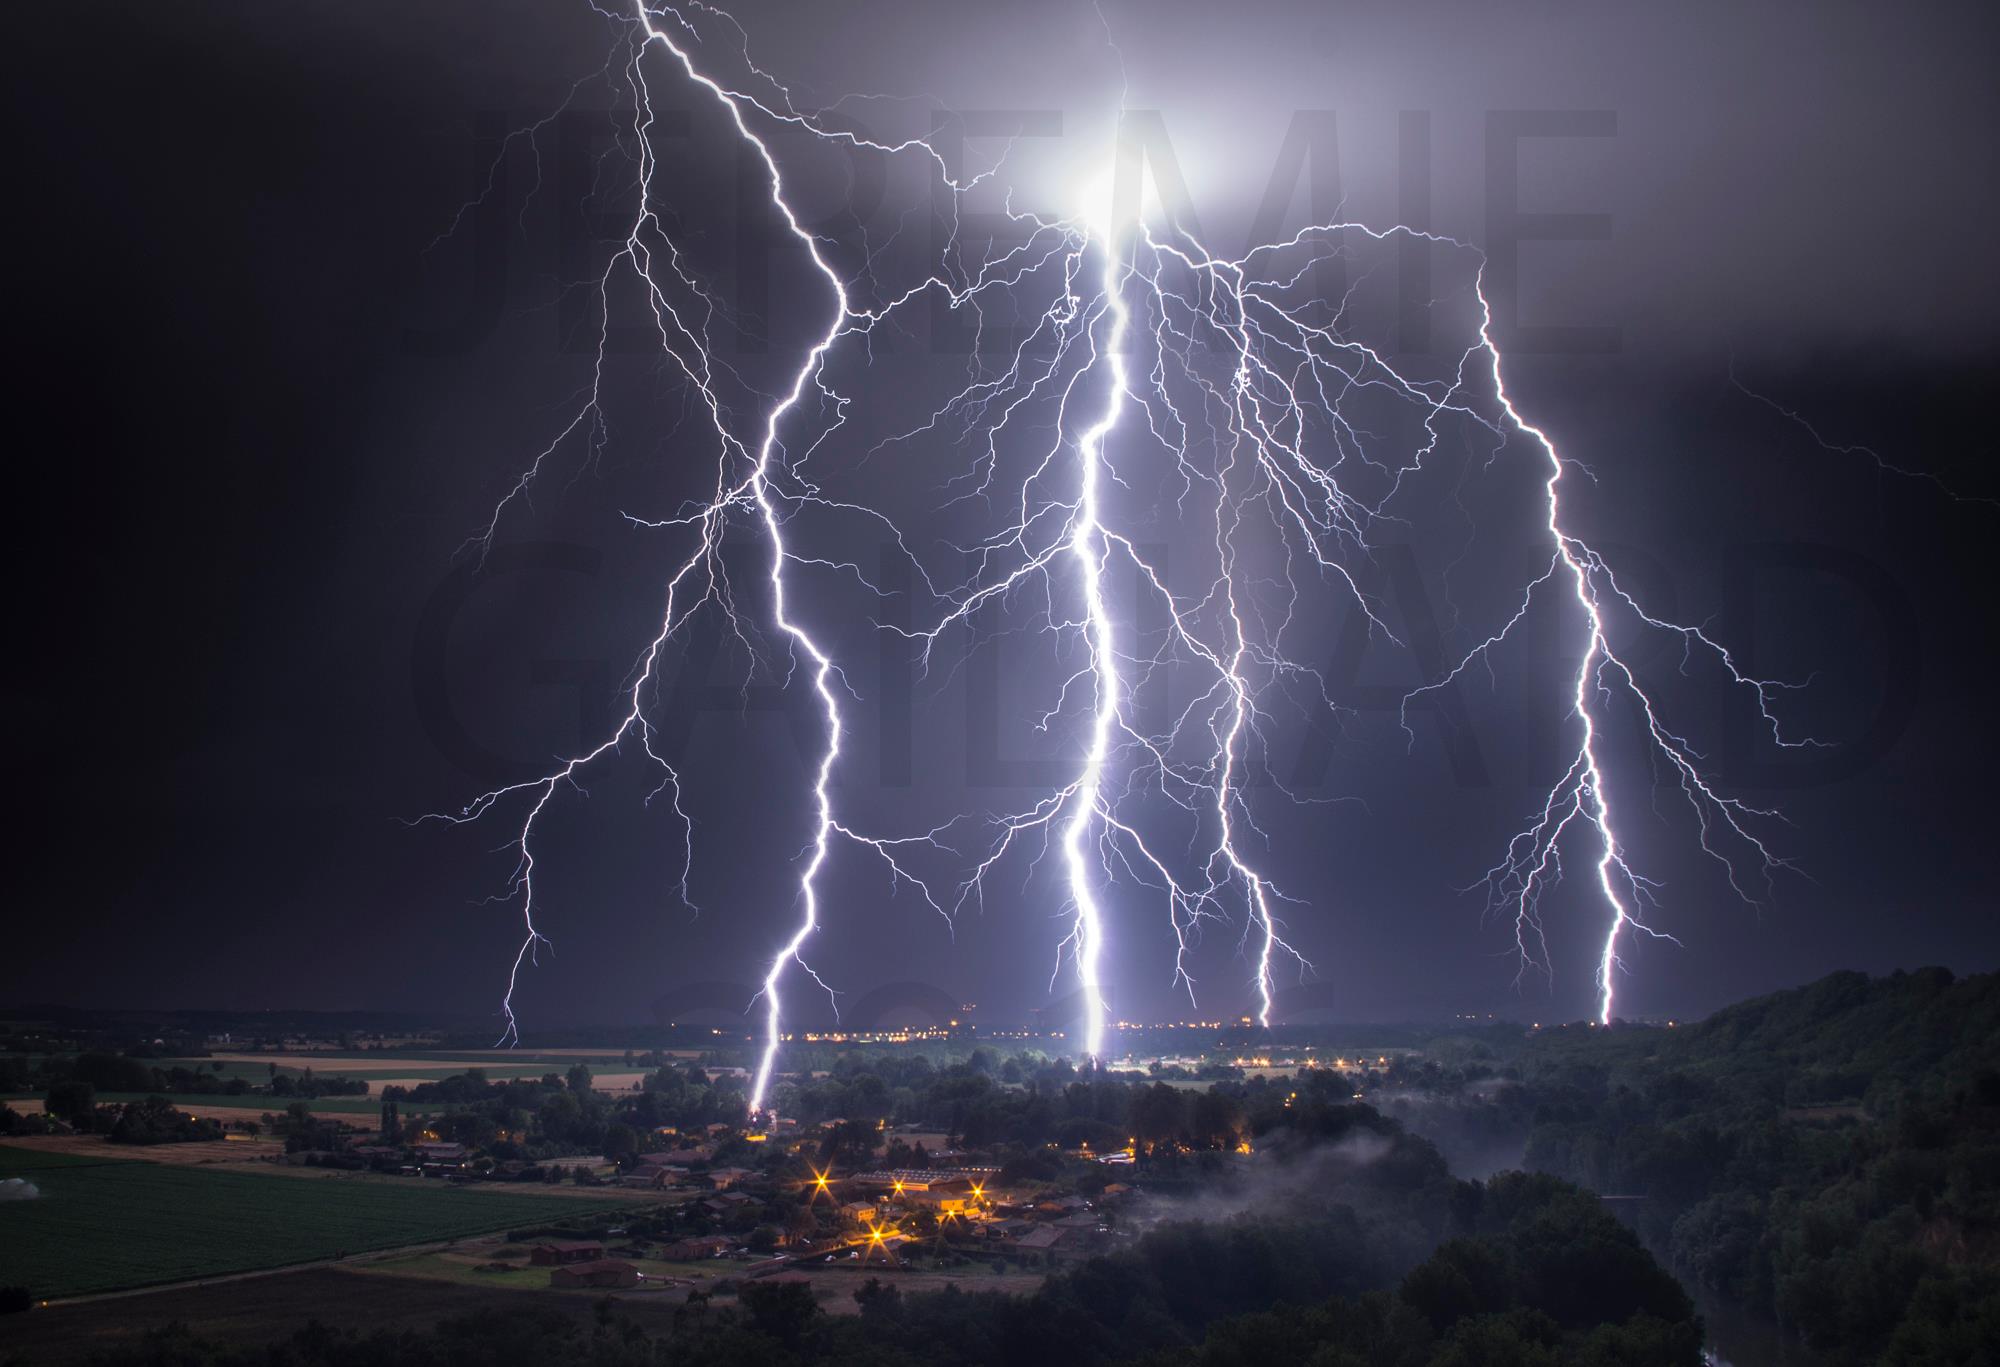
642, 1176
781, 1216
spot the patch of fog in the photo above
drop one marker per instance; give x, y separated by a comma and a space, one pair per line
1359, 1149
1473, 1151
1480, 1163
18, 1189
1277, 1179
1740, 1337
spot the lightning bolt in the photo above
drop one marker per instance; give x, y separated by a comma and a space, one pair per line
1581, 797
650, 255
1090, 545
1147, 356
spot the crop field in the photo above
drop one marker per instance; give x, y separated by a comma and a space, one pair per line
251, 1105
102, 1225
366, 1067
404, 1063
381, 1068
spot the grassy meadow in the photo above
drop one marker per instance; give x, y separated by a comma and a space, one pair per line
108, 1224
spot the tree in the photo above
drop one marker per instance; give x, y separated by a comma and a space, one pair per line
559, 1117
1092, 1134
783, 1310
621, 1143
71, 1101
848, 1142
1217, 1119
1464, 1278
878, 1301
157, 1120
113, 1072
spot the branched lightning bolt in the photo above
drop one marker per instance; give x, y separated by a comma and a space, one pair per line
1146, 355
1533, 859
646, 250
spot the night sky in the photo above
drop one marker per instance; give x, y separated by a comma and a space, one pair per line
264, 394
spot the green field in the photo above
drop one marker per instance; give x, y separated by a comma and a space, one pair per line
28, 1162
102, 1225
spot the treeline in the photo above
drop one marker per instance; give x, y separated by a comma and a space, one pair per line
109, 1072
982, 1103
70, 1088
150, 1120
557, 1116
1537, 1275
987, 1102
1012, 1109
1830, 1155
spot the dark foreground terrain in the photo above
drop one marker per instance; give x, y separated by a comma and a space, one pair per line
1535, 1273
1822, 1166
248, 1312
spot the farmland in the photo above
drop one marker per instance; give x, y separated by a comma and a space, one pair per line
380, 1068
479, 1265
248, 1106
256, 1311
377, 1068
102, 1225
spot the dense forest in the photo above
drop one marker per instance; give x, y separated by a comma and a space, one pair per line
1829, 1155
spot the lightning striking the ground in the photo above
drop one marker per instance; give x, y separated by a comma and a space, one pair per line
1582, 796
1090, 545
1126, 384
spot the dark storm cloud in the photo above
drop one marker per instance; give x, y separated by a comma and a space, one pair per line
246, 648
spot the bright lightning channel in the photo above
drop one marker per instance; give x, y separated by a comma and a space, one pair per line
1090, 547
1125, 315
